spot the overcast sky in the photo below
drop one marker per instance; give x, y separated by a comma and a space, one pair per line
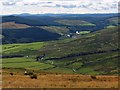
58, 6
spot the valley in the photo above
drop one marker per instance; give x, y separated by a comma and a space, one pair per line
73, 50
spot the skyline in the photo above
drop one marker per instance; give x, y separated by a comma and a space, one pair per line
58, 6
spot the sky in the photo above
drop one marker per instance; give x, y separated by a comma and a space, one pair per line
58, 6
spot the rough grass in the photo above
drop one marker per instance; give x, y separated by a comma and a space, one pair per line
60, 70
59, 81
87, 70
75, 65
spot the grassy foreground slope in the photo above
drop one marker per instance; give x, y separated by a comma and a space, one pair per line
94, 53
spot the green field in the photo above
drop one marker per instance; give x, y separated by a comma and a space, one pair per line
25, 63
84, 32
26, 49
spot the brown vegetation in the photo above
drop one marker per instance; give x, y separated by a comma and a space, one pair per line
11, 73
34, 76
93, 77
13, 25
19, 80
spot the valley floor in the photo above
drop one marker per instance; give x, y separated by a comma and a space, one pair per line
59, 81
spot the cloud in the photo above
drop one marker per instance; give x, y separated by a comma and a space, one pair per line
59, 6
8, 3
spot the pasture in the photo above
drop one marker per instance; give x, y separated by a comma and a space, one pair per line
26, 49
24, 63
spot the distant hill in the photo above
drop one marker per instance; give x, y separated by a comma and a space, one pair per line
114, 21
26, 35
46, 19
54, 26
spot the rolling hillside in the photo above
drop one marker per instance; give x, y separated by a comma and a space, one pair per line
94, 53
